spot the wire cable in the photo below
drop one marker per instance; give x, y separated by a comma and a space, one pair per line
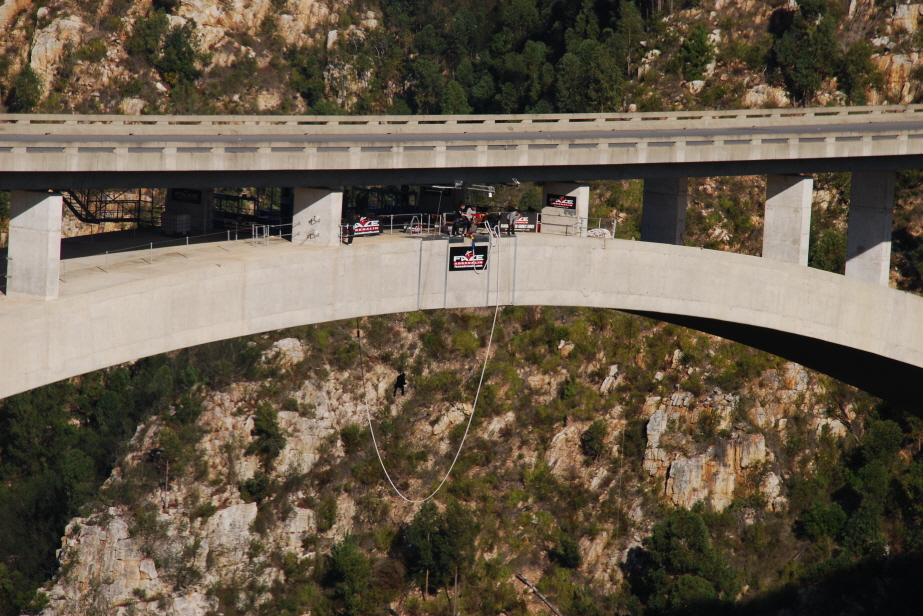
474, 407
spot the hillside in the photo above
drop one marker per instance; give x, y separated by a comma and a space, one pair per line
622, 465
251, 485
490, 56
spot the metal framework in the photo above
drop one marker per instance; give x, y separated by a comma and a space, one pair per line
97, 207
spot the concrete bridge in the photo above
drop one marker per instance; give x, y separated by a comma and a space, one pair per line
863, 333
852, 327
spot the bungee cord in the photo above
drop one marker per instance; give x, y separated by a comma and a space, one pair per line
493, 234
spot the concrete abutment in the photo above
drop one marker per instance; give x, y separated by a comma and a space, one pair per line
558, 220
34, 245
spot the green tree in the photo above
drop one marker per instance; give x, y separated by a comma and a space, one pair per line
27, 91
567, 552
441, 544
592, 441
695, 53
805, 49
270, 438
147, 36
428, 84
455, 100
350, 576
178, 62
821, 520
857, 73
685, 573
827, 251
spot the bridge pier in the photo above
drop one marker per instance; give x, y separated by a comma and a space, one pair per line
34, 245
197, 203
868, 243
787, 228
561, 220
316, 215
663, 213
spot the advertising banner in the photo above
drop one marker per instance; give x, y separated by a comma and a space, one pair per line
187, 195
526, 222
367, 226
562, 201
464, 258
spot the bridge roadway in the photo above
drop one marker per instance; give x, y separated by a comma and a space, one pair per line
64, 152
866, 334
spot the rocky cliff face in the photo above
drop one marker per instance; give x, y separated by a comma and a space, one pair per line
196, 532
84, 44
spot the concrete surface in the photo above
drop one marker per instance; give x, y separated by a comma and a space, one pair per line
663, 213
868, 242
787, 226
559, 221
864, 333
34, 251
316, 216
65, 151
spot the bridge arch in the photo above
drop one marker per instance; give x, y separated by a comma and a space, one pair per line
865, 334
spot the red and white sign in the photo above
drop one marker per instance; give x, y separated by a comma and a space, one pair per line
367, 226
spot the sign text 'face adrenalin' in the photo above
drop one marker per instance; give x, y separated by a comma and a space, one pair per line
463, 258
563, 201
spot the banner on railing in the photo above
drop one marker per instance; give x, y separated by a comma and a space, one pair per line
527, 222
367, 226
464, 258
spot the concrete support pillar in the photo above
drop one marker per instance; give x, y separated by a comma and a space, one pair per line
868, 243
663, 217
787, 228
316, 215
34, 245
197, 203
565, 207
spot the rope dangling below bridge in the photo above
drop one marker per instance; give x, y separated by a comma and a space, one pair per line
493, 235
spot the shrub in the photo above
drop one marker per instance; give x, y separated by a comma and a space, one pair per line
27, 91
696, 53
466, 343
326, 514
353, 438
256, 489
566, 553
147, 36
592, 441
180, 54
94, 51
821, 520
270, 437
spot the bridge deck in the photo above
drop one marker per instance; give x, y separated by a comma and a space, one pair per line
865, 334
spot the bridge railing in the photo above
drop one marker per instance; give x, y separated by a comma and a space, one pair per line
469, 121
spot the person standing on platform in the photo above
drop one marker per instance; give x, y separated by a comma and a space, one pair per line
350, 229
512, 217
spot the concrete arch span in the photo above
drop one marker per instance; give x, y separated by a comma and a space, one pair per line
865, 334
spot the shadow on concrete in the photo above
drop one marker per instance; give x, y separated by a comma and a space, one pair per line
890, 380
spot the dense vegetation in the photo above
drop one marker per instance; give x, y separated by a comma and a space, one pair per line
852, 507
488, 56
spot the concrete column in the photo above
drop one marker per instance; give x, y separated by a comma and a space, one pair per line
197, 203
663, 217
868, 243
787, 228
316, 215
559, 220
34, 245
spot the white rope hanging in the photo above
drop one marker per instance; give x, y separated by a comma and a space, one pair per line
493, 235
